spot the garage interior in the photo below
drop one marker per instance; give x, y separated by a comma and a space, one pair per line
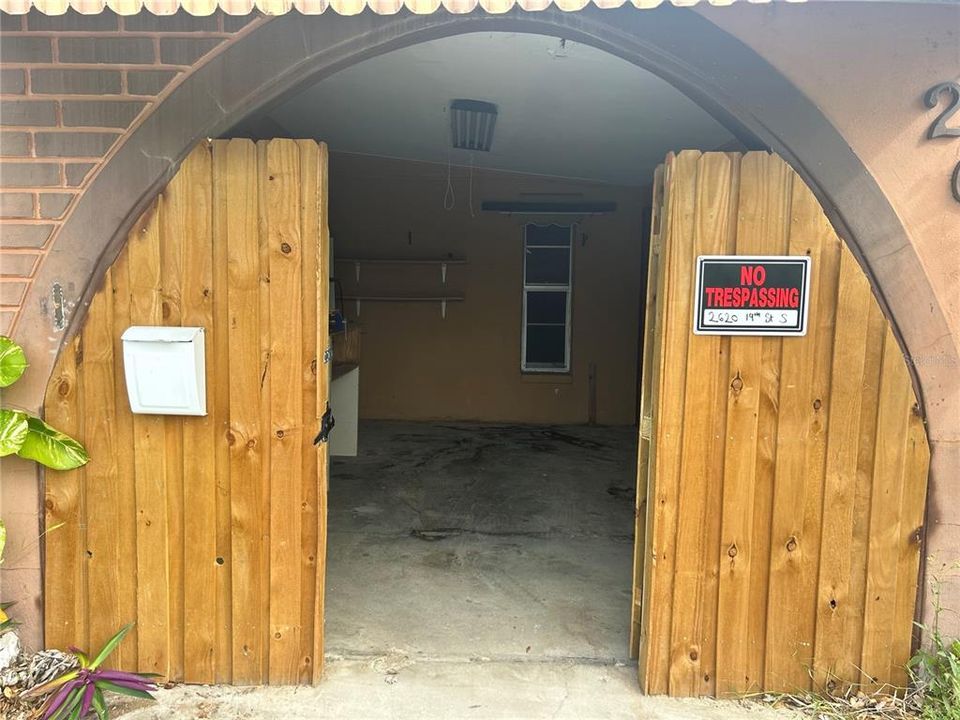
482, 489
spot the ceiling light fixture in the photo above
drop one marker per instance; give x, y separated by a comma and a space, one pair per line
472, 123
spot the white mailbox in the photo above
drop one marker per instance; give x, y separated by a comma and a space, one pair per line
164, 368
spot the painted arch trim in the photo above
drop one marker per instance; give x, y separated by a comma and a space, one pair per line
341, 7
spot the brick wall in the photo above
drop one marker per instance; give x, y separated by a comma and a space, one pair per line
71, 88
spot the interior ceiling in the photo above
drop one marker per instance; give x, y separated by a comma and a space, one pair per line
565, 109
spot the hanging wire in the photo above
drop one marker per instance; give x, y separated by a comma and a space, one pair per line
449, 197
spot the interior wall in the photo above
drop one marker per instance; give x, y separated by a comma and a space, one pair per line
415, 364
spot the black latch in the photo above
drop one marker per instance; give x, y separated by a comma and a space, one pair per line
326, 425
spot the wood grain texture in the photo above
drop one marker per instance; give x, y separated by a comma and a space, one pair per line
815, 513
193, 195
101, 479
218, 394
693, 631
674, 308
150, 466
127, 520
191, 526
282, 214
311, 283
646, 413
65, 614
323, 396
246, 434
833, 668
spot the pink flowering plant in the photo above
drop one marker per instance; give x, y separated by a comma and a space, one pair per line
79, 692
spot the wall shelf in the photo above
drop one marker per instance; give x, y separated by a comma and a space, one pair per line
442, 262
442, 299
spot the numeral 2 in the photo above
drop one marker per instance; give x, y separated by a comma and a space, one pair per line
932, 98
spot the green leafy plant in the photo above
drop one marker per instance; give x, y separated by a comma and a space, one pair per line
26, 435
936, 668
81, 691
6, 622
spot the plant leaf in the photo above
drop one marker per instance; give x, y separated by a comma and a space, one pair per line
133, 692
99, 704
12, 361
73, 700
51, 447
14, 428
51, 684
110, 646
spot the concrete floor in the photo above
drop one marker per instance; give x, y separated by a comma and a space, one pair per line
474, 571
462, 541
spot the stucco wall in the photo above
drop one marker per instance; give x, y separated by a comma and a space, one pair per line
867, 66
416, 365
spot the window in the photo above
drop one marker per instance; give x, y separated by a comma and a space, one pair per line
545, 344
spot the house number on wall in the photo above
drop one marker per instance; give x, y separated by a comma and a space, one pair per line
939, 128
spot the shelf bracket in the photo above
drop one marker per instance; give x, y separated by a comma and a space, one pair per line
358, 306
443, 273
356, 271
443, 309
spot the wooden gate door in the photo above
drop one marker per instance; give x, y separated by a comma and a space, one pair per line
782, 481
208, 532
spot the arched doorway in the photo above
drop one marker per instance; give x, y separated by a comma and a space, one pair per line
166, 137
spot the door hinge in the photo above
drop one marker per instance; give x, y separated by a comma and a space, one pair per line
327, 421
327, 355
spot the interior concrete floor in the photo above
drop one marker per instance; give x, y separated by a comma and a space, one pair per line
453, 541
474, 571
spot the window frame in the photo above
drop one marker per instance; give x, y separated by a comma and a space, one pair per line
527, 288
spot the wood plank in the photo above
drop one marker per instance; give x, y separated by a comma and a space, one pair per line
310, 284
218, 360
127, 520
893, 432
916, 468
778, 201
832, 670
741, 438
284, 239
174, 227
801, 449
656, 378
693, 631
860, 530
65, 617
101, 481
646, 413
674, 310
246, 441
192, 195
266, 381
323, 397
150, 464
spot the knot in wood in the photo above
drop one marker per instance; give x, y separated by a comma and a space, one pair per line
737, 384
833, 603
791, 544
231, 438
63, 389
251, 444
694, 655
285, 248
732, 551
817, 404
279, 434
